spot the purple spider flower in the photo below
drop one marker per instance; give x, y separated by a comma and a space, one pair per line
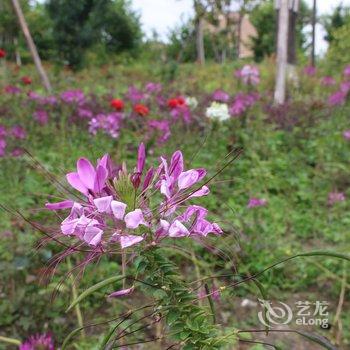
134, 95
18, 132
256, 202
2, 147
220, 96
346, 135
108, 123
3, 131
163, 126
12, 90
153, 88
41, 116
310, 71
345, 87
17, 152
336, 99
250, 75
117, 210
328, 81
73, 96
346, 71
38, 342
335, 197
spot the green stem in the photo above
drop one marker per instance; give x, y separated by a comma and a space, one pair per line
10, 340
74, 297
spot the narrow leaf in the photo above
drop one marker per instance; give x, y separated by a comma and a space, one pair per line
93, 289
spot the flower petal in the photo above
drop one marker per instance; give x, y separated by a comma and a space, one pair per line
187, 179
100, 178
176, 165
74, 180
134, 219
129, 240
60, 205
103, 204
93, 235
201, 192
121, 292
87, 173
118, 209
141, 158
177, 229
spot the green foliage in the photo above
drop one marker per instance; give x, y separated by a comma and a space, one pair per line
333, 22
79, 25
338, 54
264, 18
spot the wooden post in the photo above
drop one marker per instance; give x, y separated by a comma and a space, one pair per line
282, 52
314, 20
31, 46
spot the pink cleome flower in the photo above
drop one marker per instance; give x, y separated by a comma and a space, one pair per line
38, 341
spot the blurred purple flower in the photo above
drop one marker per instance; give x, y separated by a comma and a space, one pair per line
17, 152
334, 197
3, 131
220, 96
310, 71
13, 90
18, 132
250, 75
153, 88
346, 71
328, 81
163, 126
73, 96
2, 147
108, 123
345, 87
134, 95
336, 99
41, 116
38, 342
346, 135
256, 202
84, 113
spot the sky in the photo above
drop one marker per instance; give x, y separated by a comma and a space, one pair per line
162, 15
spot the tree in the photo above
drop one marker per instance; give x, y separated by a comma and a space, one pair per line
264, 18
80, 24
336, 20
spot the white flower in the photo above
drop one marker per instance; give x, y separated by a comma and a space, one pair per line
191, 102
218, 111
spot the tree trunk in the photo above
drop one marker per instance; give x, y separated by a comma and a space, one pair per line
200, 40
17, 53
31, 46
282, 52
313, 46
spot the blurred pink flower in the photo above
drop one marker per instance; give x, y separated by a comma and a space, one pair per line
336, 99
346, 135
256, 202
334, 197
310, 71
328, 81
38, 342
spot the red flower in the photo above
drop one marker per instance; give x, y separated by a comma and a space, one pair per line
26, 80
141, 110
172, 103
117, 104
176, 102
2, 53
181, 101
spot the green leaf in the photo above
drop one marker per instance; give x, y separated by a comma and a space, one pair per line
93, 289
316, 338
